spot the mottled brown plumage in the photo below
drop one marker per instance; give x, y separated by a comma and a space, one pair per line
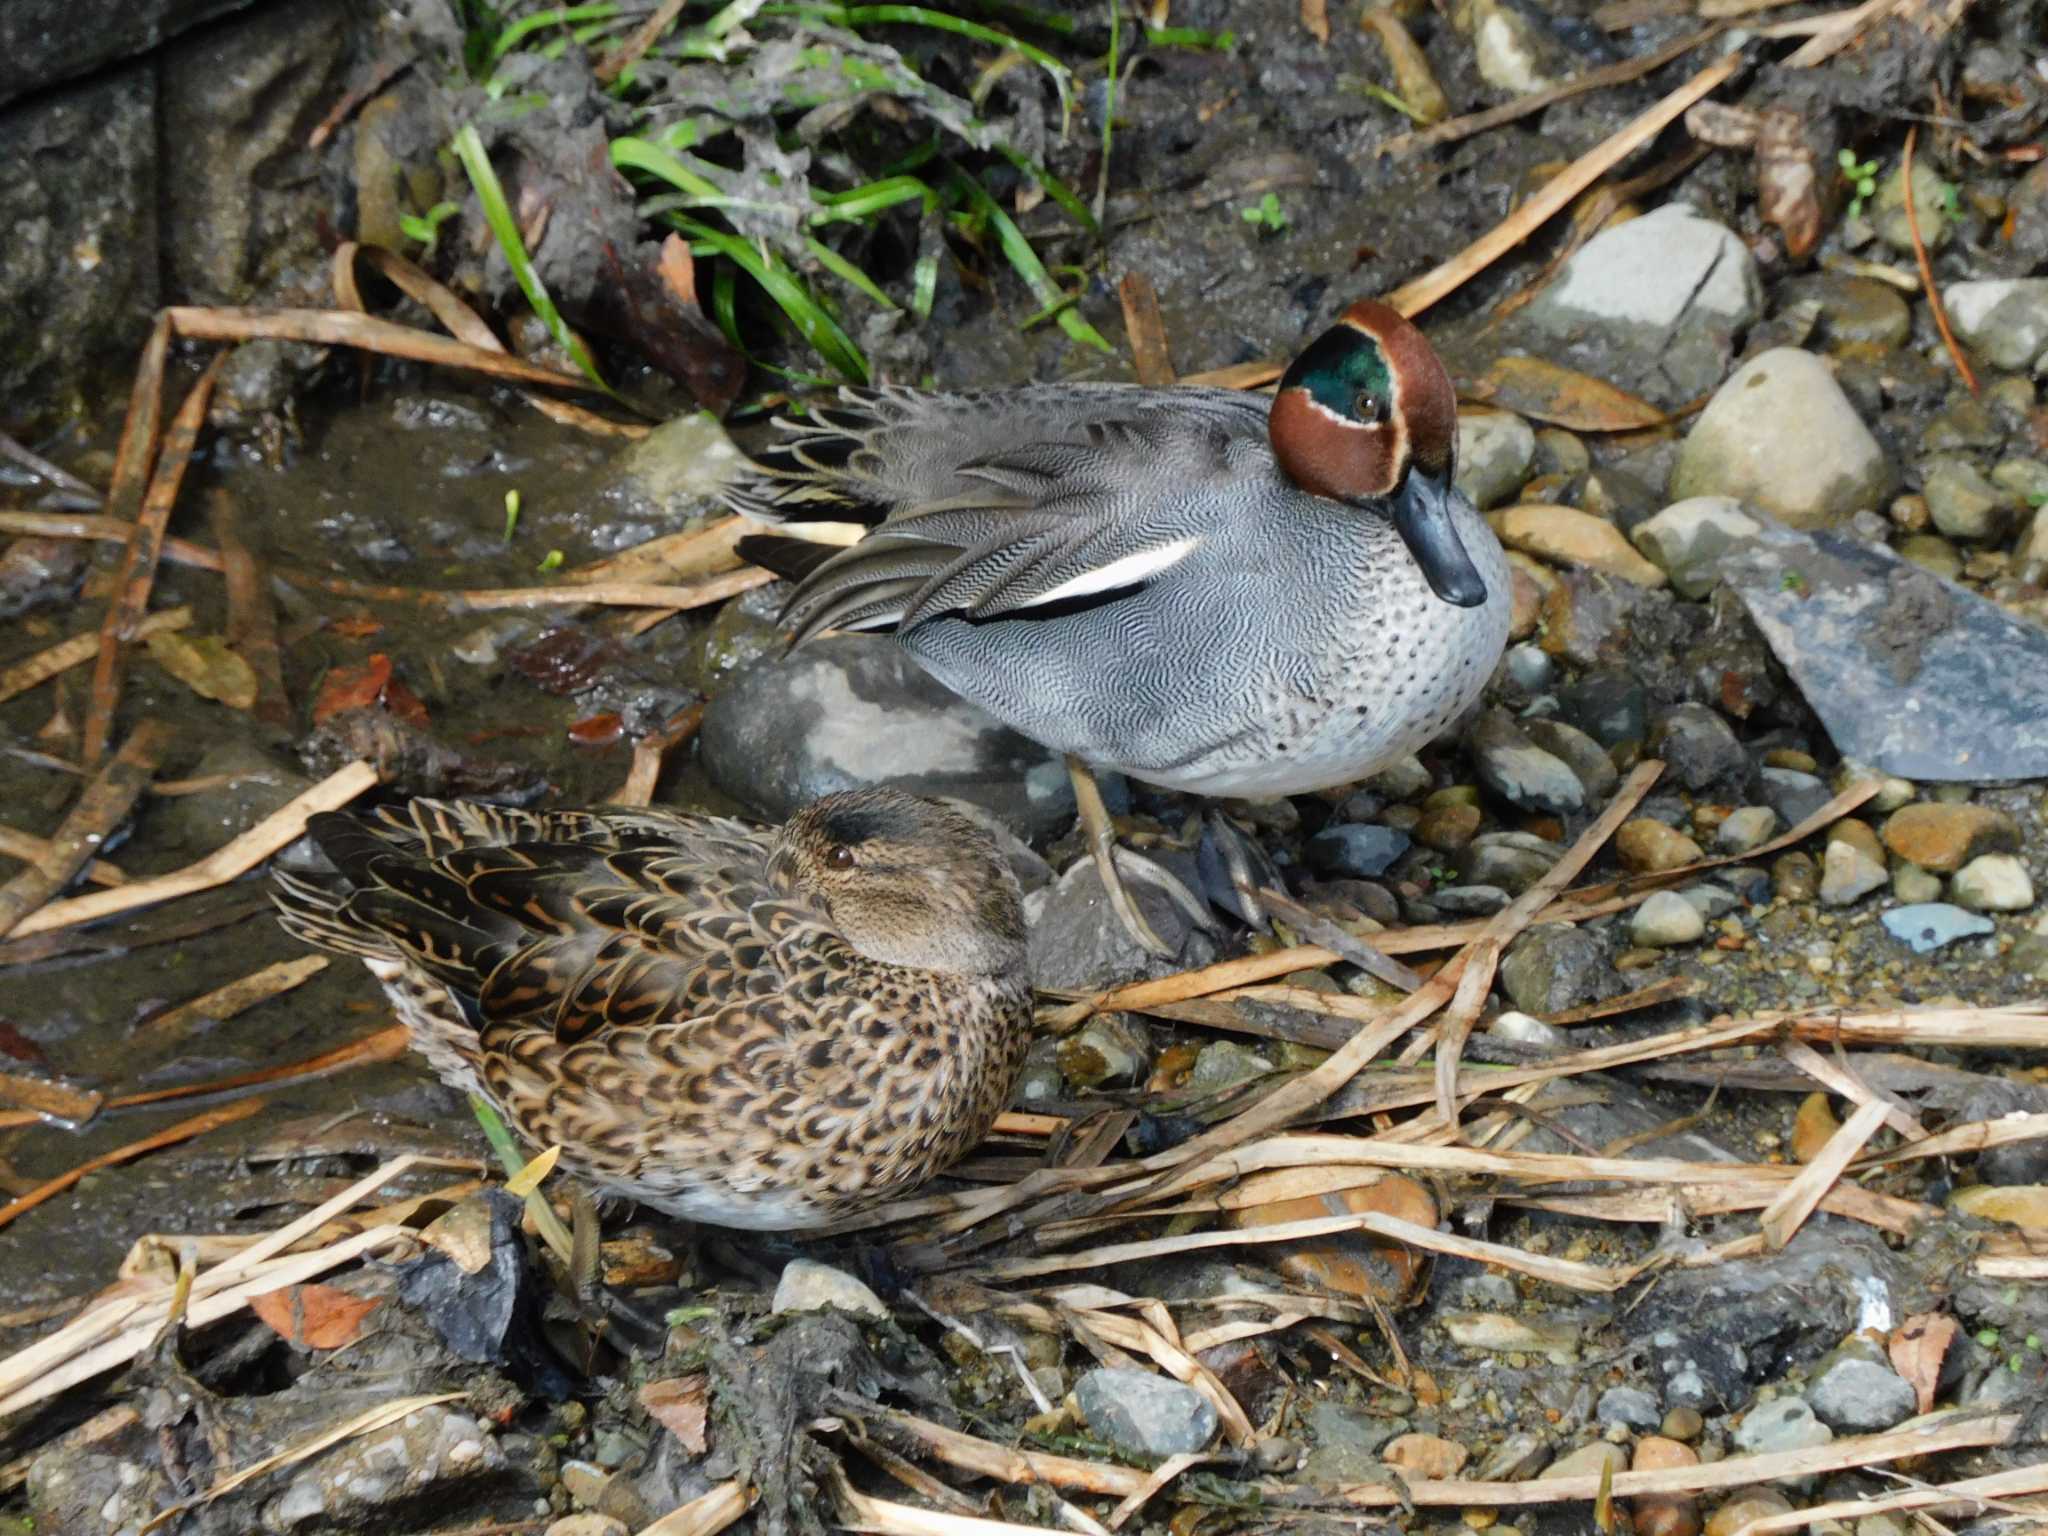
759, 1028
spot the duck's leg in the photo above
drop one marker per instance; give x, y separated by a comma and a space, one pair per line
1102, 845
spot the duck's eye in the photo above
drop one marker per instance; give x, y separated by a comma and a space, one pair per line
840, 856
1368, 407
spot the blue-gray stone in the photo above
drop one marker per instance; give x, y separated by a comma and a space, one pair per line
1360, 849
1630, 1406
1144, 1414
1856, 1397
1927, 925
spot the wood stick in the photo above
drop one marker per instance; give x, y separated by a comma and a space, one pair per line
340, 328
184, 1130
101, 807
1150, 359
650, 750
252, 614
20, 845
34, 671
173, 1024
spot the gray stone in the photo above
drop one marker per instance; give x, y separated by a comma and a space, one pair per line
1511, 47
1913, 885
1792, 794
1109, 1051
1688, 538
1669, 290
1078, 944
1224, 1064
44, 43
1518, 1457
1631, 1407
1781, 435
1929, 925
1145, 1415
1607, 704
1697, 746
1911, 675
1858, 1396
1494, 452
1750, 827
1519, 771
1403, 779
1586, 758
1665, 920
1531, 669
1848, 874
1888, 214
1493, 861
808, 1286
852, 710
1553, 967
1786, 1424
2003, 320
1363, 850
1470, 900
1962, 502
373, 1482
1993, 882
78, 269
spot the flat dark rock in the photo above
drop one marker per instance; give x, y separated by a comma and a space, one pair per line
1911, 674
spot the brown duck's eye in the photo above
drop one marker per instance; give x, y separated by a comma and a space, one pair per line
841, 857
1368, 407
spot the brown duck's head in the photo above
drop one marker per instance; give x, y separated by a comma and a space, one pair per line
1367, 415
910, 882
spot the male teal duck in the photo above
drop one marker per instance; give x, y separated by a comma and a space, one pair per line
753, 1028
1201, 588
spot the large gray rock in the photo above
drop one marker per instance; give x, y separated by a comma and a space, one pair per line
1145, 1415
1078, 944
47, 42
2003, 319
1669, 292
852, 710
1554, 967
1781, 435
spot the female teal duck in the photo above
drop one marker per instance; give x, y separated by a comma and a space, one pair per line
1201, 588
753, 1028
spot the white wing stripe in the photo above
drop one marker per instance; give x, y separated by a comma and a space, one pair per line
1125, 572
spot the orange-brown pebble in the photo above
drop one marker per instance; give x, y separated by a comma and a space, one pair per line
1448, 828
1747, 1505
1858, 835
1707, 819
1664, 1514
1525, 603
1430, 1457
1812, 1127
1350, 1264
1943, 837
1655, 1453
1647, 846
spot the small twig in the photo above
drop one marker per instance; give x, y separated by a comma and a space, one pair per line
101, 807
173, 1024
1920, 257
708, 1513
56, 475
252, 615
184, 1130
20, 845
34, 671
1150, 358
651, 749
622, 58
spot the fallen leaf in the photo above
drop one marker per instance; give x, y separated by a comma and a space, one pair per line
528, 1179
597, 730
355, 626
204, 664
1788, 180
1315, 15
315, 1316
404, 704
1564, 397
679, 1405
1918, 1346
463, 1233
357, 687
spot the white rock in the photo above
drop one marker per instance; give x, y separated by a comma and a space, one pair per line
1495, 449
1848, 874
1745, 829
2033, 547
2005, 320
1656, 270
1781, 435
1688, 538
1993, 882
807, 1286
1507, 49
1667, 918
1524, 1029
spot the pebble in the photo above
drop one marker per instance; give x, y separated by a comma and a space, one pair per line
1587, 1461
1664, 1514
1348, 1264
808, 1286
1698, 747
1512, 51
1857, 311
1888, 211
1362, 850
1430, 1457
1784, 1424
1530, 668
1748, 1505
1688, 538
1515, 1459
1794, 878
1507, 860
588, 1525
1647, 846
1682, 1424
1109, 1051
1944, 837
1224, 1064
1519, 771
1750, 827
2005, 320
1403, 779
1495, 449
1848, 873
1781, 435
1993, 882
1448, 828
1519, 1027
1145, 1415
1911, 883
1553, 967
1792, 794
1077, 944
1568, 537
1630, 1406
1932, 554
1470, 900
1666, 919
1858, 1396
1930, 925
1586, 758
1963, 504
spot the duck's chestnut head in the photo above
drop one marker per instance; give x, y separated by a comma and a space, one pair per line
1367, 415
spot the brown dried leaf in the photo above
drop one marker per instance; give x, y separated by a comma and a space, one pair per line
204, 664
1315, 16
1788, 181
1917, 1348
315, 1316
1723, 126
358, 687
680, 1405
1530, 386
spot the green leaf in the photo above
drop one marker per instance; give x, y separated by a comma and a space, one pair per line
1017, 250
788, 291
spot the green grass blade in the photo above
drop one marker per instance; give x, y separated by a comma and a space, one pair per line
1017, 250
847, 272
631, 154
1190, 37
514, 1160
788, 291
469, 149
853, 17
859, 204
1055, 189
561, 15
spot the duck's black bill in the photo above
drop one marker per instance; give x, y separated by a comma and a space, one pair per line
1422, 516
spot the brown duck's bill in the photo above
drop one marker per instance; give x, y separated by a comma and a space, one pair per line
1422, 516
